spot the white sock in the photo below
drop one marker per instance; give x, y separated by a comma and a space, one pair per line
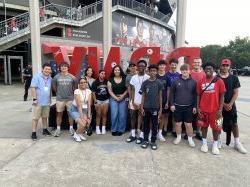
97, 128
178, 136
133, 132
103, 128
237, 140
204, 141
160, 131
190, 138
58, 128
142, 134
215, 143
71, 127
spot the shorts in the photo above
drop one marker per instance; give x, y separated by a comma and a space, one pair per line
208, 119
74, 114
102, 102
40, 112
229, 120
60, 105
183, 114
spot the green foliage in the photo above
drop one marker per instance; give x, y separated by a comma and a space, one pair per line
238, 51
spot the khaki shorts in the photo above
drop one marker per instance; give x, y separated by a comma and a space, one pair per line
60, 105
40, 112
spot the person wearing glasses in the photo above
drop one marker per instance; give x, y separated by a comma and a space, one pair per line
80, 109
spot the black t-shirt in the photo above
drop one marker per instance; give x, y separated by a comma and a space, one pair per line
100, 89
231, 82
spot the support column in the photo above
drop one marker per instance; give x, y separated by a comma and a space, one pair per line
181, 27
35, 36
107, 28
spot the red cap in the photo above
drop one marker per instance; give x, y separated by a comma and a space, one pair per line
226, 62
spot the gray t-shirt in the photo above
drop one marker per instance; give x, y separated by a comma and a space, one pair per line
128, 78
151, 90
65, 86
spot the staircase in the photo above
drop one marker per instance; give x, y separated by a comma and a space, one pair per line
17, 29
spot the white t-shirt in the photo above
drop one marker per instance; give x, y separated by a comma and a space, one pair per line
84, 97
137, 81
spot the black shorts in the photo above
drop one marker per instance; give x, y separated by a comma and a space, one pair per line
229, 120
183, 114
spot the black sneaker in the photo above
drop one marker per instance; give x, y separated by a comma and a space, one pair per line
114, 133
33, 136
185, 137
174, 134
153, 146
131, 139
144, 145
119, 133
46, 132
198, 136
139, 140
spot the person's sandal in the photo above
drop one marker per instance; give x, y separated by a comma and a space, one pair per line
153, 146
130, 139
139, 140
144, 145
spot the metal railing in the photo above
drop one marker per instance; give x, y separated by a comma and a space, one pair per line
142, 8
10, 27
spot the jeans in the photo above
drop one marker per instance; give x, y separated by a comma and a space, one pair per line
118, 115
150, 114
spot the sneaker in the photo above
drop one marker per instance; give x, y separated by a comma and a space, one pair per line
215, 150
204, 148
71, 132
139, 140
57, 133
177, 141
103, 131
82, 137
174, 134
144, 145
98, 131
153, 146
77, 137
131, 139
219, 145
33, 136
185, 137
46, 132
191, 143
239, 147
160, 137
198, 136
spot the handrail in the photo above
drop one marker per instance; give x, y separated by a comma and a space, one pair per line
11, 26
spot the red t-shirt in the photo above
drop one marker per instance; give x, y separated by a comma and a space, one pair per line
209, 100
198, 76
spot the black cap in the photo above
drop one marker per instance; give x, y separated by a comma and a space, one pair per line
131, 64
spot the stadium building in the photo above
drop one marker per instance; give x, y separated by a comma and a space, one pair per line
69, 23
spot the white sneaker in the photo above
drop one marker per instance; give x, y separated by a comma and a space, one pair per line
82, 137
239, 147
71, 132
204, 148
103, 131
57, 133
160, 137
77, 137
177, 141
98, 131
215, 150
191, 143
219, 144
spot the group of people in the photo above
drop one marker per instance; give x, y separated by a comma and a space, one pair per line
195, 98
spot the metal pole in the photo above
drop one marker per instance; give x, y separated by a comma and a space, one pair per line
71, 9
181, 23
35, 36
5, 16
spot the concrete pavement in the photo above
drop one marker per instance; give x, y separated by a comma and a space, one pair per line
110, 161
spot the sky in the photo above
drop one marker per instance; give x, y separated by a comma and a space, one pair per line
216, 21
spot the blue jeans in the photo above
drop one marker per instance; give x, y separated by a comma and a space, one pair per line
118, 115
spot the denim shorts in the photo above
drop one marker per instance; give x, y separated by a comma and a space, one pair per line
74, 114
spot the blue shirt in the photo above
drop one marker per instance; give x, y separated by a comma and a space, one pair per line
173, 76
42, 85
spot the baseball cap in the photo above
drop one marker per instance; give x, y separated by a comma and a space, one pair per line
225, 62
